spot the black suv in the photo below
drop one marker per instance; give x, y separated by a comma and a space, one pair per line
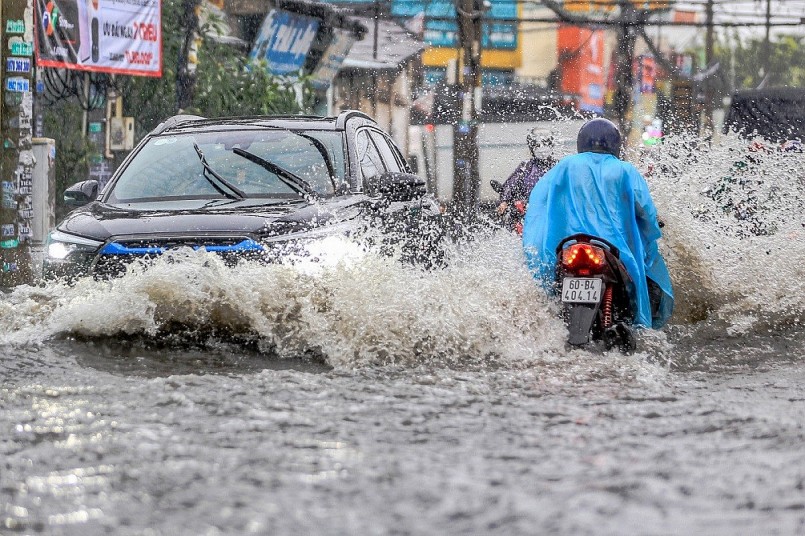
242, 187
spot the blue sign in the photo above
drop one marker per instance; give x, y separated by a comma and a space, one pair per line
18, 84
284, 41
443, 31
18, 65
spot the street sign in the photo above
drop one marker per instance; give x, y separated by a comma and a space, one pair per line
284, 41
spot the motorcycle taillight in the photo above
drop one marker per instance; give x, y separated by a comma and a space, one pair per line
583, 259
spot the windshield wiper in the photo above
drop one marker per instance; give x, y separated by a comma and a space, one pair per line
296, 182
322, 150
238, 193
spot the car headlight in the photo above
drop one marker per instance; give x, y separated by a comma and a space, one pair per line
62, 245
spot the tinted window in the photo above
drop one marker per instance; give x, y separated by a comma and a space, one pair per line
368, 158
389, 158
169, 167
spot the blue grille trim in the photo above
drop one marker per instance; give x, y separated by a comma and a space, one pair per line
114, 248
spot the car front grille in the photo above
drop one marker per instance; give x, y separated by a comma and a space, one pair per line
115, 256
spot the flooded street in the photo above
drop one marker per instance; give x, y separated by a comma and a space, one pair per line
366, 396
93, 444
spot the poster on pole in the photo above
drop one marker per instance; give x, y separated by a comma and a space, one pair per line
108, 36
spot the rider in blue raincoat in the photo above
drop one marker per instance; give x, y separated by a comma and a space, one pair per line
595, 192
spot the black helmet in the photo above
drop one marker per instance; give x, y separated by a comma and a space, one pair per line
599, 135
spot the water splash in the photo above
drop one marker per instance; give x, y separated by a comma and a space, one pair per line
365, 308
733, 231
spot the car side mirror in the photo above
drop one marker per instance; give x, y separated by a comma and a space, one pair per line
81, 193
396, 186
496, 186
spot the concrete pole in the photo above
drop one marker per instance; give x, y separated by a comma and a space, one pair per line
466, 179
624, 79
17, 160
767, 42
708, 60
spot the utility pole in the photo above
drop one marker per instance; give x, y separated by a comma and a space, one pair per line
377, 23
188, 56
16, 158
708, 60
624, 80
767, 42
466, 179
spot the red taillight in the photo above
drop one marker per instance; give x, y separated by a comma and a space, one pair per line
583, 259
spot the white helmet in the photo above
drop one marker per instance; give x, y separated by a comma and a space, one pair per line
542, 143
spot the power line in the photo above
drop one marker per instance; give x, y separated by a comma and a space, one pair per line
614, 22
612, 3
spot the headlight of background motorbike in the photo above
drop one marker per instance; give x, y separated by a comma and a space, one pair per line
62, 245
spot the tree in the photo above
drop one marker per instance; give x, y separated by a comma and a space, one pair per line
745, 65
226, 83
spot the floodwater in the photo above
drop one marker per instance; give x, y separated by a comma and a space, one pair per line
366, 396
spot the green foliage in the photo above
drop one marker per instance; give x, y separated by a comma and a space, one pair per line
745, 62
225, 84
73, 151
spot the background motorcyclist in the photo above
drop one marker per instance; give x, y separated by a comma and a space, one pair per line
543, 146
594, 192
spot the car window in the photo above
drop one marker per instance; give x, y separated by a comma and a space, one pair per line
369, 159
389, 158
169, 167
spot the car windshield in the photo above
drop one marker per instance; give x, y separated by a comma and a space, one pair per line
169, 167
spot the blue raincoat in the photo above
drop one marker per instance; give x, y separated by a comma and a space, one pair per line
599, 194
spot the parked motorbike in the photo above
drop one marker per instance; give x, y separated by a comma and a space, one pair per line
515, 211
596, 293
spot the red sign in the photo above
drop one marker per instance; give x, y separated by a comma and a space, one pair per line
581, 64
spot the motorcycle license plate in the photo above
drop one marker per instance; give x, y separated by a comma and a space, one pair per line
581, 290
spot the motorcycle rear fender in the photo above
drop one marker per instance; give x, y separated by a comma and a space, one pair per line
580, 318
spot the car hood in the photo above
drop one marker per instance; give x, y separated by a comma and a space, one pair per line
248, 217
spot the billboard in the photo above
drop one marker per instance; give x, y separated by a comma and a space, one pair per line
440, 24
284, 41
110, 36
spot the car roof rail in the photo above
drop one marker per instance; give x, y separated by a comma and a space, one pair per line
346, 114
173, 121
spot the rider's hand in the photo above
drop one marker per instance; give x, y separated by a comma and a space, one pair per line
502, 208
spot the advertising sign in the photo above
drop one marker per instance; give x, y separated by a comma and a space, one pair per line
333, 57
110, 36
646, 73
582, 66
440, 32
284, 41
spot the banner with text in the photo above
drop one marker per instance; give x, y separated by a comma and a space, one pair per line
110, 36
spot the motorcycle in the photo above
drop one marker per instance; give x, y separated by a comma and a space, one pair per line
596, 295
515, 211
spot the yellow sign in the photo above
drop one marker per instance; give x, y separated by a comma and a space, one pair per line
494, 59
590, 6
607, 6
